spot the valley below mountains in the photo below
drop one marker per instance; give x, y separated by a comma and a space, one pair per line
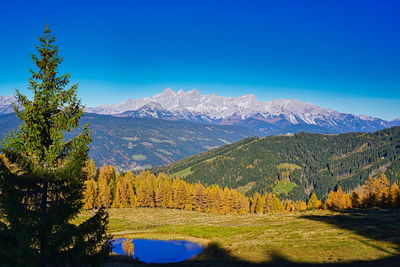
170, 126
137, 143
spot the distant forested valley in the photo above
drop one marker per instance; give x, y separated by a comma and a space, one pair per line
138, 144
291, 166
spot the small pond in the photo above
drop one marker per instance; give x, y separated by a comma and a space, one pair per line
159, 251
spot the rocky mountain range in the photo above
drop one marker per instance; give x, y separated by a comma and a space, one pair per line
266, 118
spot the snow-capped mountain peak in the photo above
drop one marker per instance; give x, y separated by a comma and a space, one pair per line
6, 104
152, 105
366, 117
6, 100
221, 107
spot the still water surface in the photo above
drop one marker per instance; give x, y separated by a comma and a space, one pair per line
160, 251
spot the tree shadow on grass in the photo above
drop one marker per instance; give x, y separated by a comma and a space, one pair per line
212, 255
215, 255
372, 224
375, 224
369, 224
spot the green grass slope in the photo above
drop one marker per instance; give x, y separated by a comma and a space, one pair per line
295, 166
311, 238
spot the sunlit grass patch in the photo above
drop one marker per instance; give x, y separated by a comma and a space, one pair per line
183, 173
283, 187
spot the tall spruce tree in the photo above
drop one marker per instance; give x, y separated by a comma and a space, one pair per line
42, 185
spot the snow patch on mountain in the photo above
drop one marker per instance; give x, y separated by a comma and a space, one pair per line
192, 103
7, 104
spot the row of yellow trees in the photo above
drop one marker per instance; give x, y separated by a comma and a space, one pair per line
376, 192
106, 187
147, 190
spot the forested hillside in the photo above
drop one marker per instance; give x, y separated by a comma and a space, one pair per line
295, 166
107, 187
136, 144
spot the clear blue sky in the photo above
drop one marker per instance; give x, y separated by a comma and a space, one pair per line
339, 54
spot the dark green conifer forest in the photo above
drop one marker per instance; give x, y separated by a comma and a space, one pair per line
296, 166
42, 176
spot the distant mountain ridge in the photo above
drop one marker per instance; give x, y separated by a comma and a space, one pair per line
266, 118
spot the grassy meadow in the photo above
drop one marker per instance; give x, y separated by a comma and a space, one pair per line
367, 237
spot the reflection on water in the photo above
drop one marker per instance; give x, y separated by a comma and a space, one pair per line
160, 251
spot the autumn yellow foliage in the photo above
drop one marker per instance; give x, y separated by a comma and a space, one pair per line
106, 187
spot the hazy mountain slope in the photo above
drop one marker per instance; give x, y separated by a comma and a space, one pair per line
142, 143
302, 163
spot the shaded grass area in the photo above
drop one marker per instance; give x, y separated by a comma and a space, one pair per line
365, 237
375, 224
